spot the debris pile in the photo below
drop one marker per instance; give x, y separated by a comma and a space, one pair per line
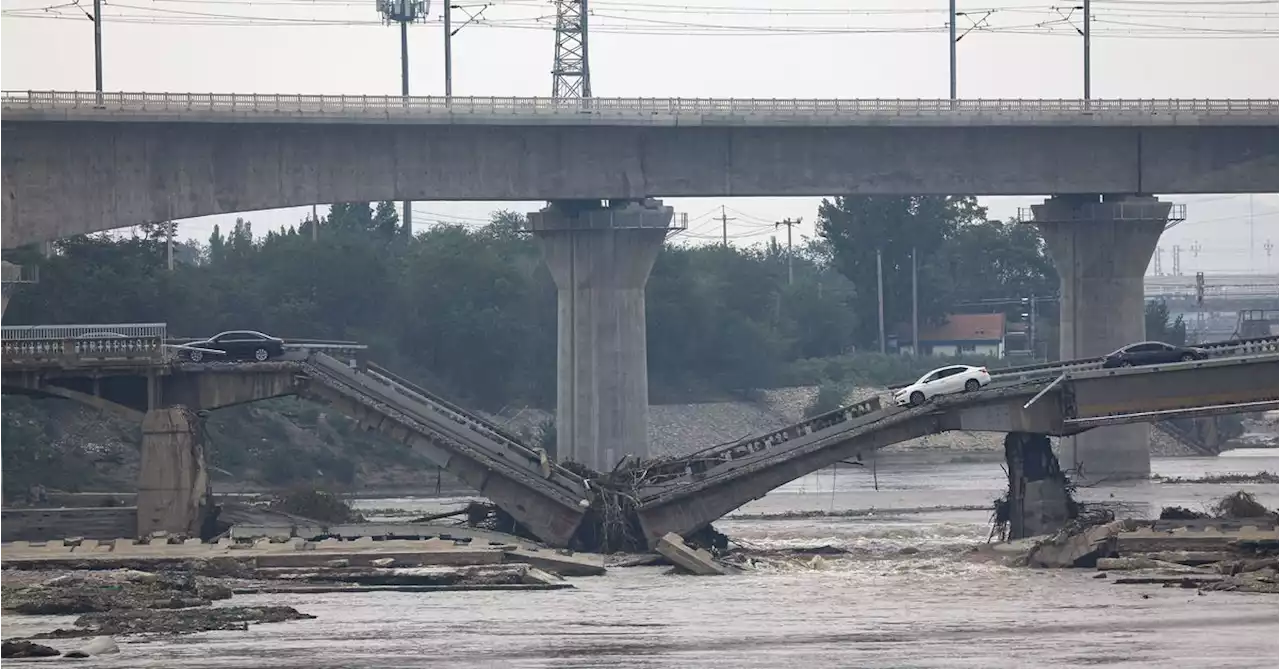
1233, 548
128, 601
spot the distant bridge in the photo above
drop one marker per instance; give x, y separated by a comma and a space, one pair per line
678, 494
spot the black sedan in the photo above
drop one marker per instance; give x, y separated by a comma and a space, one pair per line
236, 345
1153, 353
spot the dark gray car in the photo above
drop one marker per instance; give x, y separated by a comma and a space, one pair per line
1153, 353
237, 345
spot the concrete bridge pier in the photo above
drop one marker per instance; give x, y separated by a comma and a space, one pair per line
173, 484
600, 257
1101, 246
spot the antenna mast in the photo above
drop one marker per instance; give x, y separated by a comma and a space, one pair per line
571, 73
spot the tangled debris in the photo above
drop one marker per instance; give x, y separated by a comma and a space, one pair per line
1258, 477
1240, 504
316, 504
1181, 513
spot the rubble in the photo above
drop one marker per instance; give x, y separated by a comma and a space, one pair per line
1236, 550
18, 649
184, 621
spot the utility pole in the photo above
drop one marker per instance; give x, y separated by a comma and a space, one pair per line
448, 53
1177, 260
1086, 50
315, 224
1156, 269
724, 227
880, 296
789, 223
168, 243
952, 22
1251, 232
915, 303
97, 48
404, 12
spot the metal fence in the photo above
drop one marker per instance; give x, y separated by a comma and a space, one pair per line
57, 332
426, 105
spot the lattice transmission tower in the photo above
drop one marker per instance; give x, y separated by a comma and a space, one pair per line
571, 73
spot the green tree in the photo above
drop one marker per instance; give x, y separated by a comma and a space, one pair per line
1161, 328
857, 227
991, 259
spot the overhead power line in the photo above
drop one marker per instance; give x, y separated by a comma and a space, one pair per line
1130, 20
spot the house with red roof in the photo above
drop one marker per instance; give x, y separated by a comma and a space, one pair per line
961, 334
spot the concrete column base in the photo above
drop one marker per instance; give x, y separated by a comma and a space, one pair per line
1101, 246
600, 259
173, 485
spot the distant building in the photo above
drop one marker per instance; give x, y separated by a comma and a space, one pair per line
962, 334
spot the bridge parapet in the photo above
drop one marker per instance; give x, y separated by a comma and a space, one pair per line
285, 107
82, 352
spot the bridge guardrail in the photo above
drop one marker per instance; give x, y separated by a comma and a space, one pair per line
386, 104
53, 332
699, 462
71, 351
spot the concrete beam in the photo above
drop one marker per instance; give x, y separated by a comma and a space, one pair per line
73, 177
215, 386
1174, 387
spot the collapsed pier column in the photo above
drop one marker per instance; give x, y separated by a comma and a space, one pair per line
1038, 499
1101, 246
173, 484
600, 257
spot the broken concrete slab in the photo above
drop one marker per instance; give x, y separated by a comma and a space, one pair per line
564, 563
1082, 549
693, 560
1140, 562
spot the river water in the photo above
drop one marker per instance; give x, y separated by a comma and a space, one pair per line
907, 597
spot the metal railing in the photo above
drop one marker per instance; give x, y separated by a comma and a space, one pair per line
55, 332
1216, 349
426, 105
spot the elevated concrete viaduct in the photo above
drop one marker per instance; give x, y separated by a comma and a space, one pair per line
84, 162
73, 165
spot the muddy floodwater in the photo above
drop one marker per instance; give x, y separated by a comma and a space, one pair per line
906, 597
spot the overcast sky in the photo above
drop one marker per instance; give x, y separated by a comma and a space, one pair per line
688, 48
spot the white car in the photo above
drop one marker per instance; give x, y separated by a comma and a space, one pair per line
942, 381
